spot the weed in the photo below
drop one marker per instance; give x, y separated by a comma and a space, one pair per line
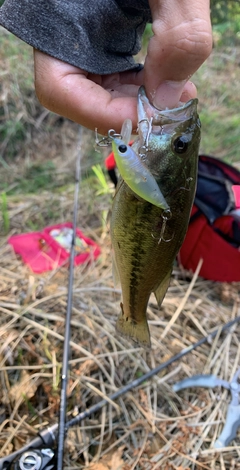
102, 183
5, 215
11, 132
30, 408
37, 177
17, 95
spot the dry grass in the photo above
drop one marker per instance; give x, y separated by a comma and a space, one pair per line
148, 428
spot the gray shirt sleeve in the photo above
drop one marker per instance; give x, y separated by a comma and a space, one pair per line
99, 36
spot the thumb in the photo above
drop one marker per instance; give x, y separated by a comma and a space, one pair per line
181, 42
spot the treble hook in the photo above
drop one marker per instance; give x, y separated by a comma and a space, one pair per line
106, 141
188, 185
146, 132
166, 215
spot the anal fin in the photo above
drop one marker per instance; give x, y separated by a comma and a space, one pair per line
162, 289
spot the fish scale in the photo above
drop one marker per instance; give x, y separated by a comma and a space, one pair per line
144, 244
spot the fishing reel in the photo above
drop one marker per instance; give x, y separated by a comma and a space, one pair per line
34, 459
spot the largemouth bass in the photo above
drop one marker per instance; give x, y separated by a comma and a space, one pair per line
146, 236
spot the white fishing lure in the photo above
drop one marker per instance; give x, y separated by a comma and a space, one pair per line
135, 173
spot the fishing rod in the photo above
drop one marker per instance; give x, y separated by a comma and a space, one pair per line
41, 452
67, 333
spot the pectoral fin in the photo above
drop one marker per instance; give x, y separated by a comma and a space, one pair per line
162, 289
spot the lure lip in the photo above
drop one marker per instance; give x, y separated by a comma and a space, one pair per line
126, 131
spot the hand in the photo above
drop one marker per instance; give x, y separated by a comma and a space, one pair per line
182, 41
95, 101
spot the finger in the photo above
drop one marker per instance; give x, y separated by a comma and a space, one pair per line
189, 92
124, 78
181, 42
66, 90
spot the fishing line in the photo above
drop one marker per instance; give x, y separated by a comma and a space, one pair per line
67, 332
47, 437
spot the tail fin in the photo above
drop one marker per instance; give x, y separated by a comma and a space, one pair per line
137, 332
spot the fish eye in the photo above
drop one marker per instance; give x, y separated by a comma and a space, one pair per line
122, 148
180, 144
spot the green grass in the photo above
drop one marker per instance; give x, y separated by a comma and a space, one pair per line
5, 215
218, 83
18, 102
221, 138
37, 177
33, 179
102, 181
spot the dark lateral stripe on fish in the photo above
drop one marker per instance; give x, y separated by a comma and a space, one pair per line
137, 261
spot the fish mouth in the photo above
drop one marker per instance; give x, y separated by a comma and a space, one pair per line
149, 115
168, 116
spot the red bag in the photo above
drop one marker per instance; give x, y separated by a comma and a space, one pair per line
214, 228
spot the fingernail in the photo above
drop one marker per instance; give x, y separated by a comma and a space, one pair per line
168, 94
